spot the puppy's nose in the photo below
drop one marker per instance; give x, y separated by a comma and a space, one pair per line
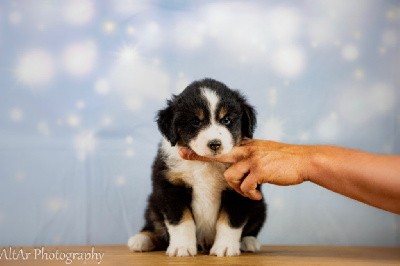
214, 144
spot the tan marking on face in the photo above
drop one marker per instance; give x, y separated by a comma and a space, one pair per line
222, 112
200, 114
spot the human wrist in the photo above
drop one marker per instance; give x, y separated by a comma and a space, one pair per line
313, 165
323, 162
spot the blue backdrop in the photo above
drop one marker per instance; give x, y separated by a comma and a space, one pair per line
82, 80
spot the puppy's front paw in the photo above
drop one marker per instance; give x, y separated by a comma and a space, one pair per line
181, 251
250, 244
140, 242
225, 249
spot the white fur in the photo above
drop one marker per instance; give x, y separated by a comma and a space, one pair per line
250, 244
140, 242
207, 182
212, 99
213, 132
227, 241
182, 239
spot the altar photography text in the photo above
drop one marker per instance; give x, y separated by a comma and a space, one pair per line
44, 254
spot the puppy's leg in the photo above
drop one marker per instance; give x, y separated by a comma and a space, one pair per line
257, 212
240, 218
227, 239
182, 236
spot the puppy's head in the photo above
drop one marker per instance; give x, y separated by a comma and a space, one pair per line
207, 117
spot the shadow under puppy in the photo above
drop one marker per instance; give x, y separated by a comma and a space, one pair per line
191, 205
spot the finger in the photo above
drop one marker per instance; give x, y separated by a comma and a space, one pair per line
254, 194
245, 142
236, 154
189, 154
235, 174
249, 187
249, 183
236, 187
235, 184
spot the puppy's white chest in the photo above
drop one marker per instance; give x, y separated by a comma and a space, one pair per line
207, 185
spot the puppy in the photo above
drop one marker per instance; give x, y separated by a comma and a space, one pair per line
191, 205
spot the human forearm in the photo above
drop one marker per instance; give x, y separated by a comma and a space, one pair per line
369, 178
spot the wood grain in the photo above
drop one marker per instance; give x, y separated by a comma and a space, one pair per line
269, 255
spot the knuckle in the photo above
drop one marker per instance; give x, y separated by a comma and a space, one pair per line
228, 176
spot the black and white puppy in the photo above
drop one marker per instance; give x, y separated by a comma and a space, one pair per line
191, 205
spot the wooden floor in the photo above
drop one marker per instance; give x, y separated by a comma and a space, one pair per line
269, 255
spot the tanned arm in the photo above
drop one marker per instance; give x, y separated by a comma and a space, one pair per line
370, 178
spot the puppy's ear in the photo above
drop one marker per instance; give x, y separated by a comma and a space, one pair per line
165, 121
249, 120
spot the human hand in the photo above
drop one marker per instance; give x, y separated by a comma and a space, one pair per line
259, 161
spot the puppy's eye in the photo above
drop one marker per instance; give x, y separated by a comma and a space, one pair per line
226, 121
195, 122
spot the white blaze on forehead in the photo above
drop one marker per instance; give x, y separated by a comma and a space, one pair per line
214, 131
212, 99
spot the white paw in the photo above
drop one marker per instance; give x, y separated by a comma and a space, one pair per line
182, 239
250, 244
140, 242
181, 251
225, 249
